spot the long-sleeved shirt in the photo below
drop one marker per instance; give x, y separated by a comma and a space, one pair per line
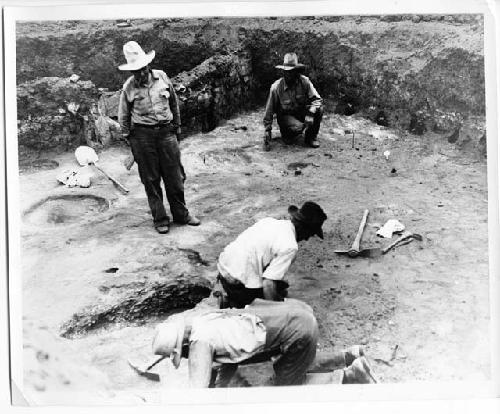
148, 104
264, 250
235, 335
291, 100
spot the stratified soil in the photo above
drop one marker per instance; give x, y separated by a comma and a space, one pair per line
421, 310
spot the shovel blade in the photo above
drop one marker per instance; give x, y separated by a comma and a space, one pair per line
342, 251
373, 252
149, 375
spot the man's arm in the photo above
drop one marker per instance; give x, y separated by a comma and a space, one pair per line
174, 107
314, 99
270, 290
201, 356
124, 114
271, 104
275, 273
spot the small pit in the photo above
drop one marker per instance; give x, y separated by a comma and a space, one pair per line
65, 209
37, 165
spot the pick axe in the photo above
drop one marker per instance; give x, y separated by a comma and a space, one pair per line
355, 251
145, 372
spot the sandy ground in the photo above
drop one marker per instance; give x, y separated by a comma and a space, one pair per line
421, 311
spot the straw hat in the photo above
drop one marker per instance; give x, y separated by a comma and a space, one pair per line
135, 56
290, 62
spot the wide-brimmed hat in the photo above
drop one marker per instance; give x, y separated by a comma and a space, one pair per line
310, 214
169, 337
290, 62
135, 56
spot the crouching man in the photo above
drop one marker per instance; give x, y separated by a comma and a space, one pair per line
217, 341
297, 105
255, 264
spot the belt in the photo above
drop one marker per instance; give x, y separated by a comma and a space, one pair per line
155, 126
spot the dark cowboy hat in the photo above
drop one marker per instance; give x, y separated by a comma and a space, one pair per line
290, 62
310, 214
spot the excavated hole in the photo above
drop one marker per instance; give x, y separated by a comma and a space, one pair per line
38, 164
136, 302
65, 209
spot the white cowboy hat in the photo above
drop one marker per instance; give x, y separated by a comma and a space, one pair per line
290, 62
169, 337
136, 57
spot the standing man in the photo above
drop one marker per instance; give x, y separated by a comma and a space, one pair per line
149, 117
297, 105
255, 264
217, 341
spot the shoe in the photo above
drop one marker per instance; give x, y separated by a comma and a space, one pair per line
192, 221
266, 146
358, 373
352, 353
163, 229
313, 143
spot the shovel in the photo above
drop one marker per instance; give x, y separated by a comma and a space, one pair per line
87, 156
145, 372
354, 250
405, 238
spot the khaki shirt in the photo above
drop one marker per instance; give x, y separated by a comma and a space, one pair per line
291, 100
150, 104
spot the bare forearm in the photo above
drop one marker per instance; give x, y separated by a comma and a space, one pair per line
200, 364
270, 290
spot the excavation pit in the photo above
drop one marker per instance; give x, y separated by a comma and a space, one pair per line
63, 210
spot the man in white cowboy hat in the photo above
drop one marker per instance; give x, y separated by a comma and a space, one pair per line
217, 341
149, 117
296, 103
254, 265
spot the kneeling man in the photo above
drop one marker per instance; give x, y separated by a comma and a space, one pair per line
284, 332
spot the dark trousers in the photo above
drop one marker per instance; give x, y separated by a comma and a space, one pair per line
292, 126
157, 154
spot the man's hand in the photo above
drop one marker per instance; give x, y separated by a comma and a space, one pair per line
273, 290
125, 138
267, 141
178, 133
308, 121
129, 161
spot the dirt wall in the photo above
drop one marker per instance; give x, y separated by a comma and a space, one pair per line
423, 71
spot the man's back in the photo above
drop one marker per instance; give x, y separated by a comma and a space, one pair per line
247, 257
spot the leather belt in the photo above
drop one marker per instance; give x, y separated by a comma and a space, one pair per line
155, 126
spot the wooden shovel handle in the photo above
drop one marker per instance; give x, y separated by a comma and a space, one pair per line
404, 236
357, 240
120, 186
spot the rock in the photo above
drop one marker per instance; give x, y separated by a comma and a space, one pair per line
74, 78
472, 137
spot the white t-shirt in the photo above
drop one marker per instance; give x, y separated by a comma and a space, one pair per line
233, 337
264, 250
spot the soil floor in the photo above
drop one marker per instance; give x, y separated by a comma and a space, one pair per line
420, 311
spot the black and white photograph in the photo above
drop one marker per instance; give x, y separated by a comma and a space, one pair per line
288, 200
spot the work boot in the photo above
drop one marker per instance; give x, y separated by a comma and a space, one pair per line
163, 229
358, 373
352, 353
192, 221
313, 143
